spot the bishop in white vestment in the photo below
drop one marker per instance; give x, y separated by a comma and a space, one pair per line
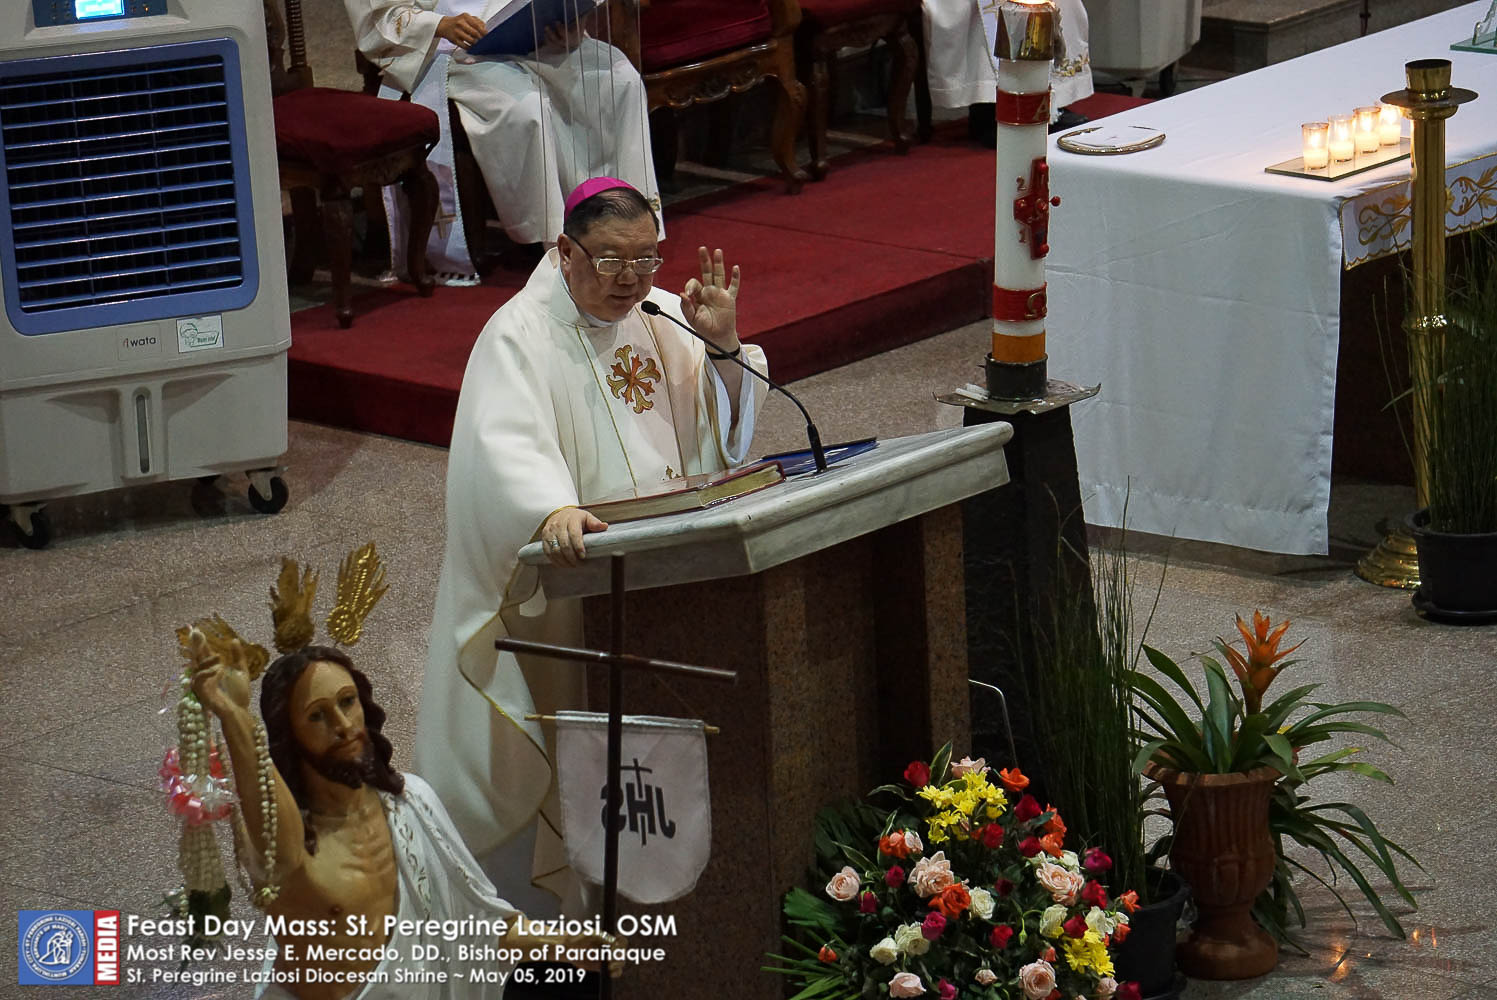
571, 394
538, 124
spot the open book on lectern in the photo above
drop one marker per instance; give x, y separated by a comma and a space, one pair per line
518, 27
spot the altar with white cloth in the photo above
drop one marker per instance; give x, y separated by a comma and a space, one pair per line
1205, 294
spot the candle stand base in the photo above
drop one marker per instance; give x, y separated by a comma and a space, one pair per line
1394, 563
1022, 380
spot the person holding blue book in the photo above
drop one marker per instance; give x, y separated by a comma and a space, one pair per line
554, 109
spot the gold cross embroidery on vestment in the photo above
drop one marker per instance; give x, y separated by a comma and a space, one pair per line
633, 379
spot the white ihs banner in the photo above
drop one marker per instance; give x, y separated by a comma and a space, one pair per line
665, 820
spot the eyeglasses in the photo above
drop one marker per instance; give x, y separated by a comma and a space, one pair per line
610, 266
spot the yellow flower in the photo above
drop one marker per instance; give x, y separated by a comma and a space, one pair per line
1088, 952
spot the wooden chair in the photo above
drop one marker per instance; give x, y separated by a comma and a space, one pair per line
700, 51
329, 142
828, 26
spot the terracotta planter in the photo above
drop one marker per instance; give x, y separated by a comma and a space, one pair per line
1222, 847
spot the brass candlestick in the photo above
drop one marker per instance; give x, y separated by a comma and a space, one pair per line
1428, 101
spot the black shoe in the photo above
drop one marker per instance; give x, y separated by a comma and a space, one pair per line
1068, 119
982, 126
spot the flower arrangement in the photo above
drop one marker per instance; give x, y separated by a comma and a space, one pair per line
1229, 732
966, 891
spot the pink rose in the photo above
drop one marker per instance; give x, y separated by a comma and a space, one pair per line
985, 977
1038, 980
844, 885
931, 875
1106, 987
1063, 885
1096, 861
967, 765
934, 924
906, 984
946, 990
913, 843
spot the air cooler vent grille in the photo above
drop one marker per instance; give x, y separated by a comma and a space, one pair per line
126, 181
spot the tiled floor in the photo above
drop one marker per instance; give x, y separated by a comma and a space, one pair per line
87, 656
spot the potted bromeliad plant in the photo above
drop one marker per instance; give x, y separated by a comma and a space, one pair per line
1235, 769
1454, 388
963, 890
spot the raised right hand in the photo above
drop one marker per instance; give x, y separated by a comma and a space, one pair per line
461, 30
222, 688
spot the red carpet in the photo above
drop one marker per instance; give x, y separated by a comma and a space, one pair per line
886, 251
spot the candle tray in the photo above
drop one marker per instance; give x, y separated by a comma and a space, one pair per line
1335, 171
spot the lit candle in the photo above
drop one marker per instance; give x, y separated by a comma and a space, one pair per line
1389, 125
1367, 129
1341, 144
1313, 139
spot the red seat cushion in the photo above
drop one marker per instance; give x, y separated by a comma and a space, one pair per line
678, 32
819, 14
336, 130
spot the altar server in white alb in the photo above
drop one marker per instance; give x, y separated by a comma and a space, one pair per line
538, 124
571, 394
962, 70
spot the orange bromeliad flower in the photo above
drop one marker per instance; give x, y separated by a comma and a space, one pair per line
1013, 779
1256, 671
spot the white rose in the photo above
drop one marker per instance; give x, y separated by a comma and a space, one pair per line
909, 940
967, 764
931, 875
885, 952
1038, 980
1051, 921
985, 977
906, 984
1100, 921
1069, 861
1062, 885
913, 842
844, 885
982, 903
1106, 987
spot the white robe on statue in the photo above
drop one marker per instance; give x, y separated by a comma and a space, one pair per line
437, 880
538, 125
555, 410
961, 68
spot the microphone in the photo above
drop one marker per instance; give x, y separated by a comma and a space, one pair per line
713, 351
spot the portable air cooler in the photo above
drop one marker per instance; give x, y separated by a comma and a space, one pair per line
146, 320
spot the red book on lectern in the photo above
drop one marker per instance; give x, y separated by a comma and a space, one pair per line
690, 493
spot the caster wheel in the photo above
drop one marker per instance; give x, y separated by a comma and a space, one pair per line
209, 479
279, 494
40, 535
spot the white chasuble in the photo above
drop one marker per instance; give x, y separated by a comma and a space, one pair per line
961, 68
539, 427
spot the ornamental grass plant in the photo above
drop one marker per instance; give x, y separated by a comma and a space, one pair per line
962, 890
1458, 400
1227, 732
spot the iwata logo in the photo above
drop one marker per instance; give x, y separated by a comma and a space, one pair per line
56, 947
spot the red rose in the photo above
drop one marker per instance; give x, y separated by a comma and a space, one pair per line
1094, 894
945, 990
1027, 809
1075, 927
1030, 846
1096, 861
1127, 991
1003, 887
918, 773
868, 903
1000, 936
894, 877
934, 926
992, 835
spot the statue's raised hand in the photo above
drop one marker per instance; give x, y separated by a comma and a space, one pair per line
223, 688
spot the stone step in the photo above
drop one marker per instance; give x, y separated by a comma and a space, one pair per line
1242, 35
